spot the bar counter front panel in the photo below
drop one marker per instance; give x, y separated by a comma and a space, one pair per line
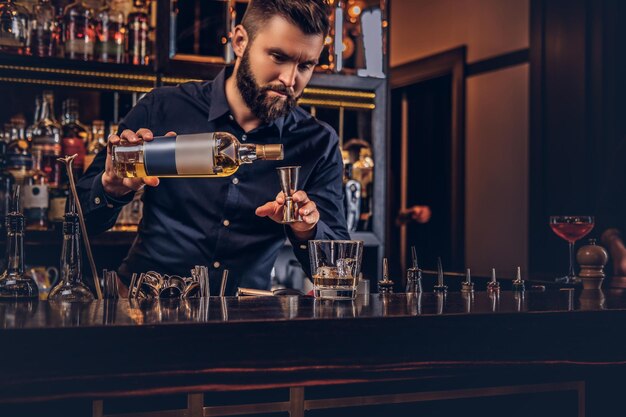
118, 348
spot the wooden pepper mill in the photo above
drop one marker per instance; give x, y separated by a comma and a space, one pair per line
591, 258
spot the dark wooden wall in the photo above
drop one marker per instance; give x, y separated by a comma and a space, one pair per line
577, 92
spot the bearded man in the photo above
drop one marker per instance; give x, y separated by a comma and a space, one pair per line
232, 222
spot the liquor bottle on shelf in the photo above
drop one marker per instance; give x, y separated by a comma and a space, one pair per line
47, 139
35, 196
19, 161
79, 33
138, 34
6, 183
75, 135
13, 283
14, 24
58, 199
110, 34
363, 172
70, 287
97, 142
216, 154
43, 30
59, 9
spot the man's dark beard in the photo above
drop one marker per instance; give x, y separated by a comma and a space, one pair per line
261, 104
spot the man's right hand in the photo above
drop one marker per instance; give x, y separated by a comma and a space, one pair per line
115, 186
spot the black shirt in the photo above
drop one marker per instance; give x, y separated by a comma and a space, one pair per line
212, 221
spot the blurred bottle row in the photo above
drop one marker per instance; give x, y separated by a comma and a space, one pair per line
28, 157
118, 31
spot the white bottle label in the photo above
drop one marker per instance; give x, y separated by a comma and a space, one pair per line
35, 196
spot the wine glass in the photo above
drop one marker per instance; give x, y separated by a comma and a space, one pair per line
571, 228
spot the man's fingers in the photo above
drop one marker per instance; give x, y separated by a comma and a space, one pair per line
307, 208
113, 140
268, 209
170, 133
280, 198
300, 197
145, 134
151, 181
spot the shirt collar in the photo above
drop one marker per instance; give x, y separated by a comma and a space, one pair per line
219, 104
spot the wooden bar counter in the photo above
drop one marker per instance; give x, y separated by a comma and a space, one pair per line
441, 346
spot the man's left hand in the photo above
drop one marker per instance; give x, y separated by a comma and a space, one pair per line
306, 208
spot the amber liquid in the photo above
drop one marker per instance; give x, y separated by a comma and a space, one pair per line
571, 231
332, 282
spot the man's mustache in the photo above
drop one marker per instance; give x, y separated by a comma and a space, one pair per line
279, 88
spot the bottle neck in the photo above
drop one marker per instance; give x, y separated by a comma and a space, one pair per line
15, 244
248, 153
70, 255
47, 109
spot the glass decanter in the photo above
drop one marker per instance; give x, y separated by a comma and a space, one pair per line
13, 283
70, 287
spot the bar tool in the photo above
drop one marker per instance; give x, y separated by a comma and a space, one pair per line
518, 284
493, 285
68, 161
440, 287
414, 275
223, 284
467, 286
385, 286
289, 185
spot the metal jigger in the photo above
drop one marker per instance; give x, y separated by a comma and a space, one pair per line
440, 287
467, 286
493, 285
518, 284
289, 185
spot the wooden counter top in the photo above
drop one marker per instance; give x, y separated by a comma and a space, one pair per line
117, 348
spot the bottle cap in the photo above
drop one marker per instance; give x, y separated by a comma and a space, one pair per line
272, 152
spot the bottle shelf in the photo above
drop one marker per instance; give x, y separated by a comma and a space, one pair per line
76, 74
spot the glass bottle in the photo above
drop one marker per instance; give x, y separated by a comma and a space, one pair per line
70, 286
58, 199
6, 182
19, 160
363, 172
13, 283
75, 135
47, 139
110, 34
14, 23
216, 154
138, 34
43, 32
79, 33
35, 196
97, 142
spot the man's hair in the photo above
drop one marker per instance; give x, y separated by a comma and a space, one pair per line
310, 16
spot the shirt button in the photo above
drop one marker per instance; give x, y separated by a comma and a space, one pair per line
216, 264
230, 117
97, 200
303, 247
235, 180
244, 137
226, 223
